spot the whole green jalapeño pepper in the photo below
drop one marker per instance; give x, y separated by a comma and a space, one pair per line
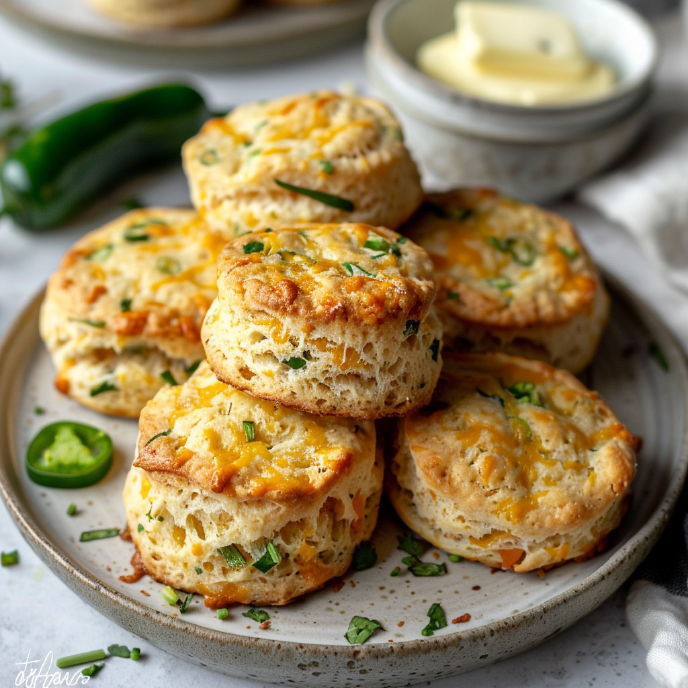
62, 166
66, 454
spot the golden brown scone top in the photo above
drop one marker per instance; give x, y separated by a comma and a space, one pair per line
502, 262
199, 431
150, 276
521, 443
349, 272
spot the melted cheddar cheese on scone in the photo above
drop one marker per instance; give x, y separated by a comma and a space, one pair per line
329, 319
514, 464
123, 312
349, 147
511, 277
222, 478
157, 14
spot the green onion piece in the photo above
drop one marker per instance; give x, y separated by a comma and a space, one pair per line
261, 125
249, 430
570, 253
408, 543
325, 198
100, 324
360, 629
259, 615
376, 243
92, 670
185, 604
455, 558
83, 658
168, 266
435, 349
139, 528
222, 613
365, 556
395, 572
402, 240
100, 254
39, 411
271, 558
135, 654
165, 433
379, 255
254, 152
99, 534
253, 247
327, 167
119, 651
161, 518
437, 620
198, 571
394, 132
170, 595
423, 569
125, 305
501, 283
524, 425
295, 363
461, 214
137, 232
131, 204
9, 558
525, 392
658, 355
71, 509
356, 270
522, 251
209, 157
148, 514
167, 377
494, 397
192, 368
411, 327
452, 295
233, 556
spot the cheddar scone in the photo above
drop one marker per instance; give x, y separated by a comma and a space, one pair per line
329, 319
514, 464
123, 312
261, 165
247, 501
511, 277
166, 13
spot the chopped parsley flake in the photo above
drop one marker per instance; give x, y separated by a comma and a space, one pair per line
360, 629
395, 572
409, 544
271, 558
437, 620
125, 305
258, 615
295, 363
411, 327
139, 528
424, 569
38, 410
365, 556
198, 571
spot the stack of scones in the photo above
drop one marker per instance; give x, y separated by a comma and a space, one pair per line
259, 338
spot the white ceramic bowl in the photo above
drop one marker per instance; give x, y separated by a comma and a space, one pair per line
535, 153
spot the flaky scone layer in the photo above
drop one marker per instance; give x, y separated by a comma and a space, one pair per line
218, 468
330, 319
347, 146
511, 277
126, 305
514, 464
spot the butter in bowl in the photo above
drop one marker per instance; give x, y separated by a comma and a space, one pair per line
531, 96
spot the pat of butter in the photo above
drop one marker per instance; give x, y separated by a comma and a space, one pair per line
516, 54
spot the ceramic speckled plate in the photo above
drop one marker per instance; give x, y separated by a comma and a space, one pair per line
305, 643
258, 34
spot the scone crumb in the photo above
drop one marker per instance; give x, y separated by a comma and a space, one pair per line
461, 619
264, 626
337, 585
401, 623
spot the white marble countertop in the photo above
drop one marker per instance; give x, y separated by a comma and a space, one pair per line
40, 614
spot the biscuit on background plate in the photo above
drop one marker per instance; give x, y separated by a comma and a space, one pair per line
123, 312
329, 319
166, 13
219, 475
347, 146
511, 277
514, 464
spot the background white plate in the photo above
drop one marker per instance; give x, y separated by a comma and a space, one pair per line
258, 34
305, 643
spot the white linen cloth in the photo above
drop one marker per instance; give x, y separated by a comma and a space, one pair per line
648, 195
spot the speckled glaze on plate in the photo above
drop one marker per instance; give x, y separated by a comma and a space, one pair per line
257, 34
305, 643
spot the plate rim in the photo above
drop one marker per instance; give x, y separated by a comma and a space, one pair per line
646, 537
